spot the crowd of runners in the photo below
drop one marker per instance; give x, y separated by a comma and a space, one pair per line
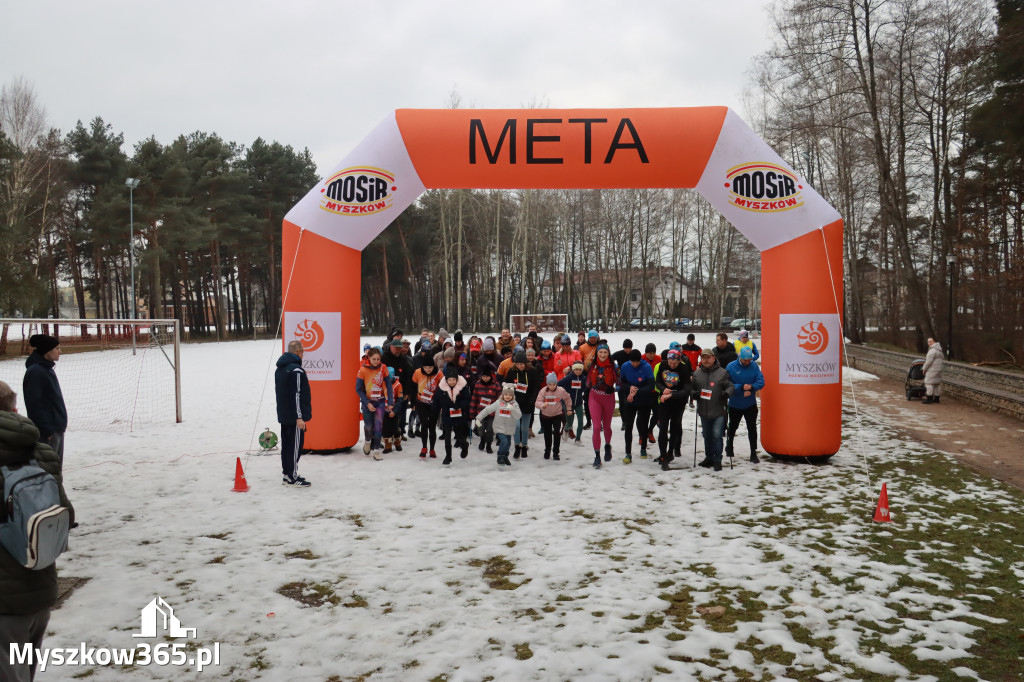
508, 389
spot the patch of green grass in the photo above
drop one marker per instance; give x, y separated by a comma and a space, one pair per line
523, 651
310, 594
651, 621
497, 572
302, 554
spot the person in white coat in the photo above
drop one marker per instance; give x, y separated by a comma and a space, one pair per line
932, 369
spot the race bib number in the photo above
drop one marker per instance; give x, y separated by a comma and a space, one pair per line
705, 394
505, 412
454, 413
485, 401
577, 385
427, 395
551, 399
376, 393
521, 388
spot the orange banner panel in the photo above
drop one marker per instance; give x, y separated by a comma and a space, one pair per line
802, 419
560, 148
325, 279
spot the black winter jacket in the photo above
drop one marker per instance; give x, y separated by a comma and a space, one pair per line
22, 590
43, 398
291, 386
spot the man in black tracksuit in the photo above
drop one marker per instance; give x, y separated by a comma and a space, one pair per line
294, 409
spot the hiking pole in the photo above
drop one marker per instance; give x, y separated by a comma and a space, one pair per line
695, 437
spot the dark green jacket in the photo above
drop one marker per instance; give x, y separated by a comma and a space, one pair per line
24, 591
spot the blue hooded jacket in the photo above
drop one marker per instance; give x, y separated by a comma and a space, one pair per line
739, 375
642, 377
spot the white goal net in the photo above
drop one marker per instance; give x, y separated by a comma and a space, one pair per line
116, 375
543, 322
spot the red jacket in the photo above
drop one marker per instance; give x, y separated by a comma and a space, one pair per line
484, 393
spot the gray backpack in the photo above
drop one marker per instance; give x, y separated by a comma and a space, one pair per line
33, 524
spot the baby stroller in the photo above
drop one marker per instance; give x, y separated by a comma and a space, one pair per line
914, 385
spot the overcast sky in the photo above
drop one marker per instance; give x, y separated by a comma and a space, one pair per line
321, 74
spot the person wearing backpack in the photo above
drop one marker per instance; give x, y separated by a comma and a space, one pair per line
26, 595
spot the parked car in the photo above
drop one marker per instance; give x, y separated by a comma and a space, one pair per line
726, 321
741, 323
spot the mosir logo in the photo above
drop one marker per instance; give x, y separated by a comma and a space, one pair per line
763, 187
311, 334
358, 191
813, 338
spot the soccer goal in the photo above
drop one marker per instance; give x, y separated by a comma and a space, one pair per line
543, 322
116, 375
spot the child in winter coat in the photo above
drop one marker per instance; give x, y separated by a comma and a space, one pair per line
373, 385
506, 416
527, 381
426, 379
452, 400
391, 429
554, 403
485, 392
575, 384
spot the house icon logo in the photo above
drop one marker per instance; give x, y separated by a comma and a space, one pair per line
158, 617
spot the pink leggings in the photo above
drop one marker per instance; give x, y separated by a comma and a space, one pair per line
602, 407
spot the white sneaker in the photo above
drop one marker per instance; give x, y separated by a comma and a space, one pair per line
378, 455
366, 447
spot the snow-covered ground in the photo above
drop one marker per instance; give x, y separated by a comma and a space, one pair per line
617, 573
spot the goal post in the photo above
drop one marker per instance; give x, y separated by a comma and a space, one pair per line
115, 375
545, 323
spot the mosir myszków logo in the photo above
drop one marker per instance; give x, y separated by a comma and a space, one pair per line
360, 190
763, 187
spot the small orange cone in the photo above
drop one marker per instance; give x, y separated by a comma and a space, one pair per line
240, 485
882, 509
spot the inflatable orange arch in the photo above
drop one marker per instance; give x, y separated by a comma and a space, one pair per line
800, 237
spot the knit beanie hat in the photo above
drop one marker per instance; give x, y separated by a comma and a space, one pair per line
627, 344
449, 354
508, 388
651, 348
546, 345
458, 336
488, 344
427, 361
592, 334
577, 365
520, 356
450, 372
566, 340
552, 378
635, 355
43, 343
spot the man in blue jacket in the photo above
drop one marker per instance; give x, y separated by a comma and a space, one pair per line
747, 378
294, 409
636, 398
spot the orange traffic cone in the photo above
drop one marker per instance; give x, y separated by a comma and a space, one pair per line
240, 485
882, 509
